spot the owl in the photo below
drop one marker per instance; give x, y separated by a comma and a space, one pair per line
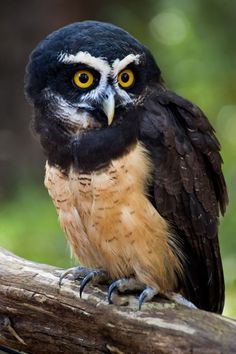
133, 169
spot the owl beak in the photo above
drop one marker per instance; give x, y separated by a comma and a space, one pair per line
109, 107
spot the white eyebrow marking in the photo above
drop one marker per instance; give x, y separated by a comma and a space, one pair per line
98, 64
118, 64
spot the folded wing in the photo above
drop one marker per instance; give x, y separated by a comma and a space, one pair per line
188, 189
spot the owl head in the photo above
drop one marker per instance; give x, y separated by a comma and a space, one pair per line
87, 78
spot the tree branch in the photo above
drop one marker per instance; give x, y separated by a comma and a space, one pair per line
36, 316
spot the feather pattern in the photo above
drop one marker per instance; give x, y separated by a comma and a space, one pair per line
189, 188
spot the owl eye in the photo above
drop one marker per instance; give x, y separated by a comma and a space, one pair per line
126, 78
83, 79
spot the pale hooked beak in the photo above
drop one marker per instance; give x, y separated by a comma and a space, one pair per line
109, 106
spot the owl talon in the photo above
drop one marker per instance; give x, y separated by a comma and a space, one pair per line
124, 284
99, 275
146, 295
64, 275
112, 287
75, 272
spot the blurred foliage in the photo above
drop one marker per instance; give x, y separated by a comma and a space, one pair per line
29, 227
194, 45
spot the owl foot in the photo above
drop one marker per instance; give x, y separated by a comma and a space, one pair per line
147, 294
85, 275
131, 284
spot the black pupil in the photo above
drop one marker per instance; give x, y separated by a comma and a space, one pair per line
83, 78
125, 77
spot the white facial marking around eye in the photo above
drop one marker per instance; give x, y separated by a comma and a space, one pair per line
65, 110
97, 63
95, 95
117, 66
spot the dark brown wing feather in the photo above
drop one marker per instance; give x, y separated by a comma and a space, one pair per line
189, 189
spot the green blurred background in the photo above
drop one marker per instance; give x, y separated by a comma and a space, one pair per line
194, 44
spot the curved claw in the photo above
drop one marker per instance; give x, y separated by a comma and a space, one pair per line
84, 282
142, 297
64, 274
111, 289
87, 279
146, 295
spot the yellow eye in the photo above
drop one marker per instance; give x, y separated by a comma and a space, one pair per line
126, 78
83, 79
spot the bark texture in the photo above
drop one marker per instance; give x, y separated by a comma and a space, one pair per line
37, 316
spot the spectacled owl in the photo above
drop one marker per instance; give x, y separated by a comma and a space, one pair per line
134, 170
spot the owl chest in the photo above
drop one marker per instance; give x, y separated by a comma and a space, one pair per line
98, 210
107, 205
108, 220
98, 199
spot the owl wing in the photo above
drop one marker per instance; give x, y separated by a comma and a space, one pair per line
188, 189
